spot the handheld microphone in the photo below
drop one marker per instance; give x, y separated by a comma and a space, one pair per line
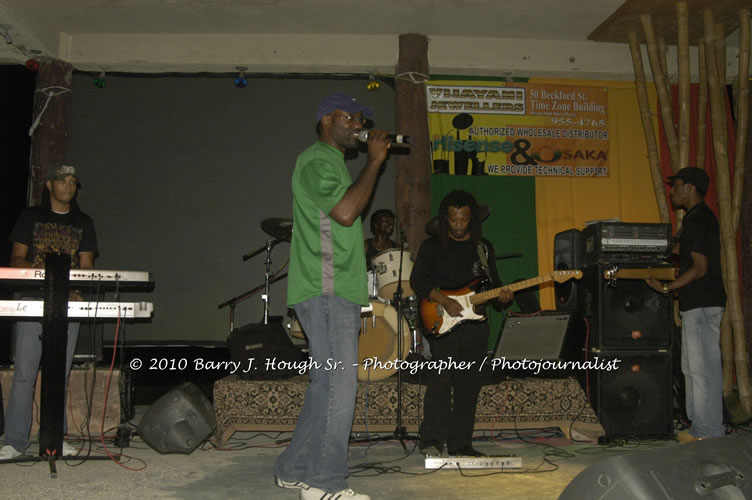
395, 138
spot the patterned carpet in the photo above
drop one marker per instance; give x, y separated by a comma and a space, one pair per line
274, 405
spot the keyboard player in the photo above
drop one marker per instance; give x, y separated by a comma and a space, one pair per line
57, 225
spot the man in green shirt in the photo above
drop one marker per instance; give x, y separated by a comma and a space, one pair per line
327, 285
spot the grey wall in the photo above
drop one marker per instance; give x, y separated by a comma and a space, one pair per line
178, 173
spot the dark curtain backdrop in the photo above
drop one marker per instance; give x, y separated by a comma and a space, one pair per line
179, 171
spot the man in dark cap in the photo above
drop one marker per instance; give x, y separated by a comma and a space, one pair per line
702, 299
327, 285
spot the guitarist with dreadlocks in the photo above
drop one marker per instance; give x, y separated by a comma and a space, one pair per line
452, 259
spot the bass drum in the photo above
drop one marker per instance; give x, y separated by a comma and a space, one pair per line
386, 264
377, 346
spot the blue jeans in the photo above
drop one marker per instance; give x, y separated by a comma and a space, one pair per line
25, 368
317, 453
703, 373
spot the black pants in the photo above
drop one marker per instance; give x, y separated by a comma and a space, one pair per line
452, 394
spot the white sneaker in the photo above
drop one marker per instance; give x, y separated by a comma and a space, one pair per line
295, 485
8, 452
319, 494
68, 450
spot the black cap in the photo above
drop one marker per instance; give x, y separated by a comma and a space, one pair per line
693, 175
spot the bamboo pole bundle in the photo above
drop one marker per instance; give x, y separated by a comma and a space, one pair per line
742, 120
702, 106
664, 98
647, 128
728, 237
682, 18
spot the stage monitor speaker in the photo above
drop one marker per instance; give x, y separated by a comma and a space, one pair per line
624, 315
709, 469
632, 393
567, 256
547, 336
179, 421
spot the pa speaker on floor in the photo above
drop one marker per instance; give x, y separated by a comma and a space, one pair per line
567, 256
711, 468
179, 421
632, 393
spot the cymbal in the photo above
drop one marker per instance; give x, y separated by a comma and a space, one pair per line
277, 227
432, 227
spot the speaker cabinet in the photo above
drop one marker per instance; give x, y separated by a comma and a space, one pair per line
711, 468
179, 421
567, 256
634, 398
624, 315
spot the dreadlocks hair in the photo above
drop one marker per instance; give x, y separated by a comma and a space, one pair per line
459, 199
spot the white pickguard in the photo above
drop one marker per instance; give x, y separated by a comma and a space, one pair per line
468, 314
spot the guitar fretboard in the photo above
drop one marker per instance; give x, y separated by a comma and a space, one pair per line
481, 297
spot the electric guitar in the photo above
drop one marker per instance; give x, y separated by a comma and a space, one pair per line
437, 321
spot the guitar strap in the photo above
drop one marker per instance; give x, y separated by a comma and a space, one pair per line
482, 253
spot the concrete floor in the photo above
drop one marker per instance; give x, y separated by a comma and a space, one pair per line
244, 470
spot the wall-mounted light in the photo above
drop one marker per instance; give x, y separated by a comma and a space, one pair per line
372, 84
241, 81
100, 81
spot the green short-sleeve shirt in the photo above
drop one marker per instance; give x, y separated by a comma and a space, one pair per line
326, 258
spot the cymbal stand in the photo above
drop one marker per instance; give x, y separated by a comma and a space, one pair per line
267, 278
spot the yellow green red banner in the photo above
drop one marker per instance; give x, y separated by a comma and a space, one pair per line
518, 128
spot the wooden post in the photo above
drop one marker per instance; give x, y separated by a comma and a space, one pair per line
647, 128
664, 98
412, 171
49, 142
728, 237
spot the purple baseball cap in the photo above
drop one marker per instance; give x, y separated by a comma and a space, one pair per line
345, 102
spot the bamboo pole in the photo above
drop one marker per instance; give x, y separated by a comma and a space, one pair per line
664, 98
647, 128
720, 53
682, 19
742, 115
662, 51
702, 106
728, 237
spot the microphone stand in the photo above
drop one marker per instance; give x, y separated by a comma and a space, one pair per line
400, 432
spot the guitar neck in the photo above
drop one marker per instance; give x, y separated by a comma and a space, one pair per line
482, 297
659, 273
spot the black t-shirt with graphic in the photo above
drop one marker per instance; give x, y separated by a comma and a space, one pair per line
49, 232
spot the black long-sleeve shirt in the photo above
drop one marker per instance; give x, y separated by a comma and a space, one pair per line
453, 266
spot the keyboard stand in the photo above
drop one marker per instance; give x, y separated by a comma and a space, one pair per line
54, 348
